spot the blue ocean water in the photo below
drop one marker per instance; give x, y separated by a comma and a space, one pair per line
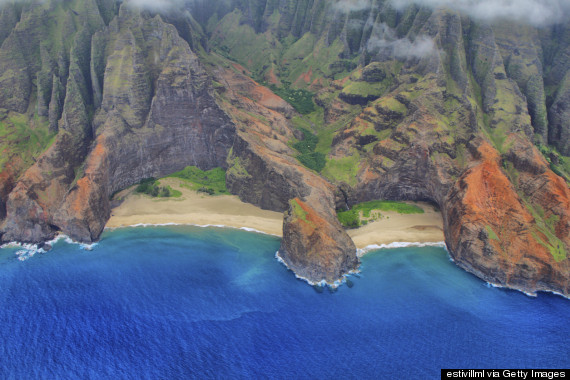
183, 302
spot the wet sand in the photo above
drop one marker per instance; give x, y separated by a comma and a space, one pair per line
228, 210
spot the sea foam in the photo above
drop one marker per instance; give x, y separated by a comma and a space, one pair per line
248, 229
28, 250
362, 251
323, 282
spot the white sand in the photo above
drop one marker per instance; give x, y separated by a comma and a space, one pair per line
200, 209
193, 208
394, 227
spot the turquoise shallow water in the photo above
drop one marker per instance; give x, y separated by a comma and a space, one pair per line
189, 302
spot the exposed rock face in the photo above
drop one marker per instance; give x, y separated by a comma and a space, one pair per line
38, 193
314, 245
492, 231
155, 118
560, 117
423, 105
505, 212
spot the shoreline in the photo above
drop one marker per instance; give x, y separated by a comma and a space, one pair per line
193, 208
392, 230
28, 250
248, 229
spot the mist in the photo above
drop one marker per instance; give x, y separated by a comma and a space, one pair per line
347, 6
157, 5
534, 12
403, 48
4, 2
384, 41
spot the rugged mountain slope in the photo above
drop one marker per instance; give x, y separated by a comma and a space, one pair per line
411, 103
441, 108
136, 103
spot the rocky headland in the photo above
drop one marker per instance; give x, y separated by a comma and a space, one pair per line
392, 103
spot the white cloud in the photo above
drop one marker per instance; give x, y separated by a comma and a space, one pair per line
156, 5
4, 2
421, 47
352, 5
534, 12
384, 41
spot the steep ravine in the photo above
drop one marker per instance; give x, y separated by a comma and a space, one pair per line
122, 95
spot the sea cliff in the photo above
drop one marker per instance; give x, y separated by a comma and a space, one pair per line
310, 107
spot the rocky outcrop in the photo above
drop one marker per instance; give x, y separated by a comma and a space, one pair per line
156, 117
495, 233
313, 247
505, 212
38, 193
262, 171
424, 104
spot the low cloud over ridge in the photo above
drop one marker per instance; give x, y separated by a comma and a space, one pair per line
352, 5
535, 12
403, 48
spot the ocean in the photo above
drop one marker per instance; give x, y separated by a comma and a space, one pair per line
179, 302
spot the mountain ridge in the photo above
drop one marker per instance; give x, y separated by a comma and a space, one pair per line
409, 104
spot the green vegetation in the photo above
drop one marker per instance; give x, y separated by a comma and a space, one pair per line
301, 100
238, 42
318, 59
511, 171
314, 150
491, 233
559, 164
544, 232
399, 207
343, 169
236, 168
365, 89
308, 157
354, 217
349, 219
391, 103
151, 186
212, 181
79, 173
23, 138
332, 169
298, 210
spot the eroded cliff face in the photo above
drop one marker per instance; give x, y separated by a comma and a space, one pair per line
412, 104
262, 170
154, 113
413, 126
501, 231
460, 136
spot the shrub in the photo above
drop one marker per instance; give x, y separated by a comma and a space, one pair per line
214, 179
308, 157
301, 100
349, 219
164, 192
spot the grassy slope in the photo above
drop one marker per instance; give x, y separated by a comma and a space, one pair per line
153, 187
211, 181
308, 60
22, 138
360, 213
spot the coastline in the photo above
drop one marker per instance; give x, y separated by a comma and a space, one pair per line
193, 208
397, 230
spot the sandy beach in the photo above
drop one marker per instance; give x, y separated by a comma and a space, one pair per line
394, 227
193, 208
228, 210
